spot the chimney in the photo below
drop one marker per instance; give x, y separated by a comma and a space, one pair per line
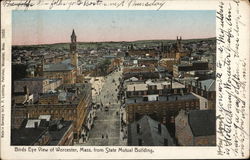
199, 84
138, 128
176, 98
205, 88
36, 124
157, 98
134, 88
135, 100
159, 128
167, 98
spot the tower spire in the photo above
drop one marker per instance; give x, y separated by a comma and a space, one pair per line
73, 52
73, 37
73, 42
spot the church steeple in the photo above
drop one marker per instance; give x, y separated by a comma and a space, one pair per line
73, 42
73, 52
73, 37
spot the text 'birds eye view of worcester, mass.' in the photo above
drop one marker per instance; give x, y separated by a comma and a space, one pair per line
113, 78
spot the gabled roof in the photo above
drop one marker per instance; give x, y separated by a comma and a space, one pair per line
209, 83
202, 122
148, 133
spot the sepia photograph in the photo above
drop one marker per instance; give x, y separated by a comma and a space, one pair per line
113, 78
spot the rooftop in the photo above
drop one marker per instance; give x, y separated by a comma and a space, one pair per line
202, 122
149, 133
57, 133
33, 79
63, 66
169, 98
26, 136
138, 69
56, 129
208, 84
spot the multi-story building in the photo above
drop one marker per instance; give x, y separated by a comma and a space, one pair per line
168, 63
147, 62
74, 104
205, 90
162, 108
67, 70
156, 87
43, 132
36, 85
141, 73
179, 70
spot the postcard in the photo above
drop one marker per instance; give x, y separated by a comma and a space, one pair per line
125, 79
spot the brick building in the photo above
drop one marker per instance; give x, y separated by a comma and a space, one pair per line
141, 73
179, 70
36, 85
205, 89
75, 106
161, 108
68, 69
153, 87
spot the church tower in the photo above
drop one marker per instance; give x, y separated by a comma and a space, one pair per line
179, 44
73, 53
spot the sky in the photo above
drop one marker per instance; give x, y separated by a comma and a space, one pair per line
55, 26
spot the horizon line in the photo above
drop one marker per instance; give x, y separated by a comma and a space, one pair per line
109, 41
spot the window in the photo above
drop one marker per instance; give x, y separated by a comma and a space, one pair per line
145, 99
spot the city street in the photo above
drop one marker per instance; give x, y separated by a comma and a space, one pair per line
107, 126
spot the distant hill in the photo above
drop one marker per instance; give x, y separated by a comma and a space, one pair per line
110, 44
